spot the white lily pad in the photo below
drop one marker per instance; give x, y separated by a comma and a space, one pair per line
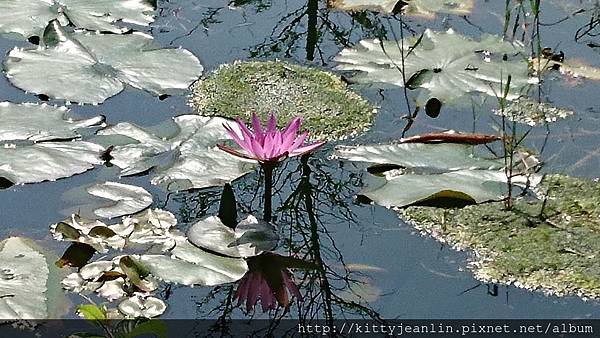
189, 159
152, 228
110, 279
138, 306
471, 186
386, 6
446, 64
35, 122
434, 173
423, 8
47, 161
190, 265
89, 67
250, 238
127, 199
418, 156
91, 232
23, 281
30, 17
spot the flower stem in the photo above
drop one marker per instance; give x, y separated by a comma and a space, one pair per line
268, 170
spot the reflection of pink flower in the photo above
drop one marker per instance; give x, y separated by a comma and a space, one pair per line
269, 144
268, 281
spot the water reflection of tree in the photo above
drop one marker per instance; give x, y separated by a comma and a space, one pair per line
312, 24
305, 210
320, 199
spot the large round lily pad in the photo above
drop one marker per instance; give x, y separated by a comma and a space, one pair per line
30, 17
330, 110
551, 244
446, 65
89, 67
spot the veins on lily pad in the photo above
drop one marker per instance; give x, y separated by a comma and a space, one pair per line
98, 66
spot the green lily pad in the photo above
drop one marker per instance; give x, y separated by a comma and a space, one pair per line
47, 161
36, 123
432, 174
190, 265
550, 244
446, 65
250, 237
30, 17
187, 160
89, 67
25, 283
329, 109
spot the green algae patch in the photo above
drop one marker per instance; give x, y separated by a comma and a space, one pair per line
330, 110
551, 244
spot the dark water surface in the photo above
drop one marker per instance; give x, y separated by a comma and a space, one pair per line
400, 274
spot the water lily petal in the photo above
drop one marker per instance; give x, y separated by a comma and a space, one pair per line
269, 146
253, 290
259, 134
246, 133
289, 283
267, 298
293, 127
235, 136
271, 124
242, 291
235, 152
306, 149
257, 149
298, 142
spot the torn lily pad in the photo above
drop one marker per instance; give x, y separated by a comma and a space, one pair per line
97, 66
534, 113
250, 237
40, 122
446, 65
110, 279
422, 8
550, 244
189, 265
127, 199
329, 109
386, 6
91, 232
24, 281
152, 228
30, 17
437, 174
187, 160
429, 8
23, 163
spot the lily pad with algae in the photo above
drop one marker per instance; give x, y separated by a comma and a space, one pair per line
330, 110
551, 244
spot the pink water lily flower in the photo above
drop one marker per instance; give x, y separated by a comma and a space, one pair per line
255, 286
269, 281
269, 145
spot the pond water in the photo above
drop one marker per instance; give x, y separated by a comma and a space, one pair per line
370, 263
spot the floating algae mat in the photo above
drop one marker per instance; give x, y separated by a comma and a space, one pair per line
551, 244
330, 110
